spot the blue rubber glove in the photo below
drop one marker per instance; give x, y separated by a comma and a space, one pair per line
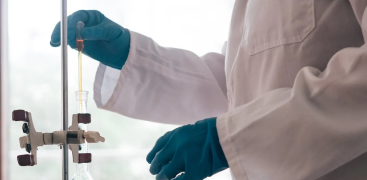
104, 40
192, 149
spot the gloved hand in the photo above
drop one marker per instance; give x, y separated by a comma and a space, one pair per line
192, 149
104, 40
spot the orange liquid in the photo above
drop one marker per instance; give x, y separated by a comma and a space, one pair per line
80, 44
80, 71
80, 47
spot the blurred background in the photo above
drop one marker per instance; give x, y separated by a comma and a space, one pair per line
33, 78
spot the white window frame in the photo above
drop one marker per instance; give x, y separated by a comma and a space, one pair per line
4, 113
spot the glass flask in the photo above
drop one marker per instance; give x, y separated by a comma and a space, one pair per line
82, 171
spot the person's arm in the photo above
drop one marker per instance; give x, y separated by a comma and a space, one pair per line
163, 84
306, 131
140, 79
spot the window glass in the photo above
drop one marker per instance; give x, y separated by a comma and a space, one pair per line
35, 78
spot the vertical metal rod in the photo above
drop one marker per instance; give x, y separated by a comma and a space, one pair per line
1, 102
64, 56
4, 76
1, 125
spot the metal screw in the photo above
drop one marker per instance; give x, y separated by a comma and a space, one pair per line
25, 128
28, 148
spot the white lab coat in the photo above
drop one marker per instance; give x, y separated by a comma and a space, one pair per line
290, 95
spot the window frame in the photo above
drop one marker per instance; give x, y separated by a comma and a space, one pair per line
3, 89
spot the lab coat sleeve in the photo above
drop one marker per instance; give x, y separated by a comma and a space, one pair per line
164, 85
307, 131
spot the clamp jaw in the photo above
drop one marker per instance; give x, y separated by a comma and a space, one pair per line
74, 137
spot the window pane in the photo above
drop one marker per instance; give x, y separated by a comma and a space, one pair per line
35, 77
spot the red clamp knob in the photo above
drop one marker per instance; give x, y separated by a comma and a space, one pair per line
20, 115
85, 157
84, 118
26, 160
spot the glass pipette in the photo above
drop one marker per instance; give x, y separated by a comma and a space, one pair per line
80, 47
82, 172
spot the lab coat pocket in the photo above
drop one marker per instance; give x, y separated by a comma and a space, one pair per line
272, 23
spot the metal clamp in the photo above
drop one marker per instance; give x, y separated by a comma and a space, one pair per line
73, 136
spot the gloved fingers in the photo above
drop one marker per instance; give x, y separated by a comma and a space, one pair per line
161, 159
182, 177
72, 43
112, 30
93, 33
90, 18
161, 142
171, 170
107, 31
55, 36
72, 20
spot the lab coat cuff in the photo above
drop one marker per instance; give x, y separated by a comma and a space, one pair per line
98, 83
229, 150
105, 79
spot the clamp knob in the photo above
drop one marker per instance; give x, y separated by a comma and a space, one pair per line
20, 115
93, 137
84, 118
26, 160
85, 158
25, 128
